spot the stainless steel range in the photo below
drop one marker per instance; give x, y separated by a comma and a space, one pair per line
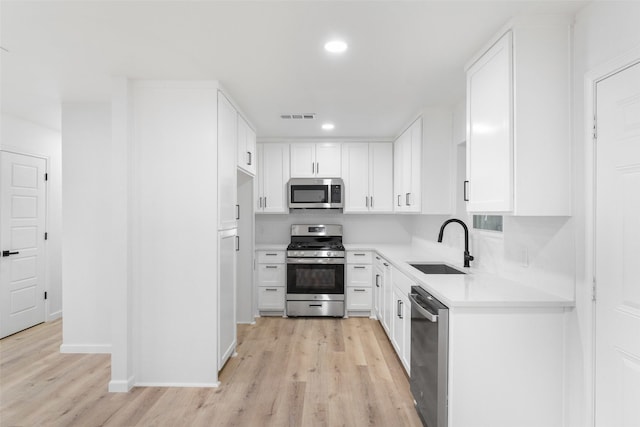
315, 271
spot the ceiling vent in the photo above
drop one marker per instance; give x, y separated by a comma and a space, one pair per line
305, 116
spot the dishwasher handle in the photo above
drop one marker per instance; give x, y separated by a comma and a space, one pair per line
422, 310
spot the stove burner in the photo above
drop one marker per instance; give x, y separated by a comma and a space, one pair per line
316, 245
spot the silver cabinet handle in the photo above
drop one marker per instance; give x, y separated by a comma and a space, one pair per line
359, 254
377, 280
371, 201
399, 200
271, 254
237, 211
359, 290
259, 202
359, 267
237, 243
271, 290
271, 266
317, 168
366, 201
265, 201
249, 162
385, 264
401, 314
407, 199
313, 168
465, 191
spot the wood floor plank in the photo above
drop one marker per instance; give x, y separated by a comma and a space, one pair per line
287, 372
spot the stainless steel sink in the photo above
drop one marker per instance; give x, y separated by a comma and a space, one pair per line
436, 269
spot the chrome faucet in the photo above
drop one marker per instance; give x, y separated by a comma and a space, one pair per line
467, 256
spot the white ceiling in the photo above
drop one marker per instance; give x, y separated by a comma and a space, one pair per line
402, 56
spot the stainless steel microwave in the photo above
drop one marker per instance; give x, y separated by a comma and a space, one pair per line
316, 193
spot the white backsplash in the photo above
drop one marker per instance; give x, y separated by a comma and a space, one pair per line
536, 251
276, 229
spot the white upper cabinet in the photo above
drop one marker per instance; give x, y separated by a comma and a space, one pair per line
518, 121
227, 178
423, 165
367, 171
246, 147
320, 160
272, 178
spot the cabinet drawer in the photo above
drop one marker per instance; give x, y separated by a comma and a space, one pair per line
272, 275
359, 275
276, 257
271, 298
359, 298
359, 257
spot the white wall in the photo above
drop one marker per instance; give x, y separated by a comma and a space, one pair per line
26, 137
602, 32
87, 246
174, 220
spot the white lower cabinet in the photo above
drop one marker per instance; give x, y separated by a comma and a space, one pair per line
401, 318
359, 281
271, 281
227, 246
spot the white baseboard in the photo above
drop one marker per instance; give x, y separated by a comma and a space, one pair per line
86, 348
54, 316
192, 385
121, 386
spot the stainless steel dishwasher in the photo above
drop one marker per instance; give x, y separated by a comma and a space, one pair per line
429, 357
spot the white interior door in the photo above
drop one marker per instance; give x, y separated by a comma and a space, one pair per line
22, 227
618, 249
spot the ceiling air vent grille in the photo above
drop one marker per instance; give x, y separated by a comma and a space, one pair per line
305, 116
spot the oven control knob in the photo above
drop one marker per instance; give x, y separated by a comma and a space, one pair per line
329, 253
316, 254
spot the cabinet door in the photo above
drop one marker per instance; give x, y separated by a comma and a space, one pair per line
303, 160
328, 164
246, 147
355, 173
380, 177
274, 165
388, 300
251, 151
227, 178
377, 289
258, 185
414, 189
226, 295
490, 139
401, 172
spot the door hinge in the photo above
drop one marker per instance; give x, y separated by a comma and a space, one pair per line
46, 177
45, 295
593, 290
46, 235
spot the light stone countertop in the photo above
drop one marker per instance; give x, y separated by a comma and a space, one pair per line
474, 289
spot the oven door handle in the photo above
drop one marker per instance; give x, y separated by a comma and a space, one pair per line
423, 311
315, 261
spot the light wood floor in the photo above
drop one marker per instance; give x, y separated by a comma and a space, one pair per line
288, 372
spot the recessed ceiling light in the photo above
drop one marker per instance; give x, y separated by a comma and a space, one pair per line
328, 126
335, 46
